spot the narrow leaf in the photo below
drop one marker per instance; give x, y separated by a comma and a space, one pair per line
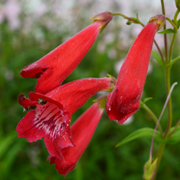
157, 57
147, 99
174, 60
148, 133
140, 133
166, 31
6, 142
178, 23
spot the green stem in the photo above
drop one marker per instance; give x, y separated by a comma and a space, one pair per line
159, 155
175, 16
165, 35
171, 46
169, 123
174, 24
153, 116
159, 50
136, 20
168, 86
176, 126
162, 146
173, 61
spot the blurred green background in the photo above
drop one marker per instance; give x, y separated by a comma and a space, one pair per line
28, 31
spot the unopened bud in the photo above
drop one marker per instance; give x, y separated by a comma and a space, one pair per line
149, 169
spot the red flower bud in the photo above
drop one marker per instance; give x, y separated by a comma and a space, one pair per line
123, 101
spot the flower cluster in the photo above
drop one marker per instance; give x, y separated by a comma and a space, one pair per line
51, 105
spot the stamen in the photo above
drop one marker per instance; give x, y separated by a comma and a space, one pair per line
41, 101
25, 109
38, 75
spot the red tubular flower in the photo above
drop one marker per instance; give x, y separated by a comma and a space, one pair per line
82, 132
54, 67
51, 113
123, 101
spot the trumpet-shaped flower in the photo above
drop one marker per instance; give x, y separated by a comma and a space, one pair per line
123, 101
54, 67
50, 114
82, 132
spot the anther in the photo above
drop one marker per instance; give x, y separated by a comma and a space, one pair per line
41, 101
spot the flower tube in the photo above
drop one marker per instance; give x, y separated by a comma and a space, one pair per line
54, 67
50, 114
124, 100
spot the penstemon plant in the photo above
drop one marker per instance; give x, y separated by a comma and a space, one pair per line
52, 104
169, 134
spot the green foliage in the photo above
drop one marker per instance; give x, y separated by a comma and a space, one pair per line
167, 31
157, 57
141, 133
178, 23
148, 133
149, 168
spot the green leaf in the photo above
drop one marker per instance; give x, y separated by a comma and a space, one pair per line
174, 60
147, 99
166, 31
157, 57
140, 133
9, 158
178, 23
5, 143
148, 133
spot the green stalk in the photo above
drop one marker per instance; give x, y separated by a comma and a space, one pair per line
159, 155
174, 34
165, 35
153, 116
169, 106
168, 84
137, 21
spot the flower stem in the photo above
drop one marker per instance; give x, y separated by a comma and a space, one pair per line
176, 126
136, 20
169, 106
165, 104
159, 50
153, 116
165, 35
162, 146
174, 24
159, 155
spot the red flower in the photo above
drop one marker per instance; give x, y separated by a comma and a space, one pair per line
51, 113
123, 101
82, 132
54, 67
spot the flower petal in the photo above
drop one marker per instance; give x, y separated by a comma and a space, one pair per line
82, 132
74, 94
57, 143
50, 121
25, 102
26, 128
54, 67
